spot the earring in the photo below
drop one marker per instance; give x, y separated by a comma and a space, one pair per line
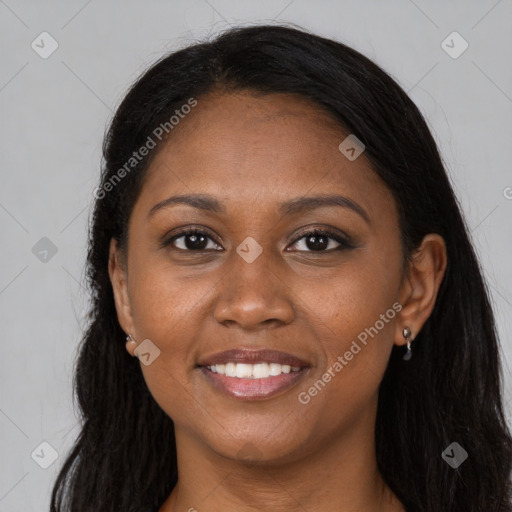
129, 341
407, 335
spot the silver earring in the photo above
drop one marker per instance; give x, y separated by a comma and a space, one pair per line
129, 341
407, 335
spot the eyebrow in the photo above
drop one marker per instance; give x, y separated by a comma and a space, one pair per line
290, 207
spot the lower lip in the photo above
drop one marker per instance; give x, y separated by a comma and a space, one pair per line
253, 389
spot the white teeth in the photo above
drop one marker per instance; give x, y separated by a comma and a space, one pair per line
275, 369
260, 371
252, 371
243, 370
230, 370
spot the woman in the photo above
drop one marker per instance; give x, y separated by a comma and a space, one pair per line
287, 311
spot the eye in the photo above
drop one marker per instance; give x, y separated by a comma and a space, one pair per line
318, 240
315, 240
194, 240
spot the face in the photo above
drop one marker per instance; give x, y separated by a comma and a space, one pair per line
256, 274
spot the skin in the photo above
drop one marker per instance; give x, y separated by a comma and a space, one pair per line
252, 153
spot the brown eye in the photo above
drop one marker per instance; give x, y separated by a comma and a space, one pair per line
193, 240
318, 240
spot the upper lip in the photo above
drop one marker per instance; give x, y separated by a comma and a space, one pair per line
251, 356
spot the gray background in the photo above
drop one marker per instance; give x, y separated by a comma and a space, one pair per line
54, 112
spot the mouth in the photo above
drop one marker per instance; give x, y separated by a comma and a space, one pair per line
253, 374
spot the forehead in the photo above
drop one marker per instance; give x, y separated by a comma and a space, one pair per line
239, 146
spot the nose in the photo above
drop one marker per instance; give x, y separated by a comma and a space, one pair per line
254, 295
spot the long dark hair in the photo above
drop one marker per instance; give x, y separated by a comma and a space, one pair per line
450, 391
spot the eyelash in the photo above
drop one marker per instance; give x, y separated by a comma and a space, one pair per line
344, 243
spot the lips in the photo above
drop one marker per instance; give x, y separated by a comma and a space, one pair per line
254, 389
251, 356
248, 374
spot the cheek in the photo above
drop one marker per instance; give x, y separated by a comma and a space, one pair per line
354, 323
165, 311
165, 308
164, 302
351, 297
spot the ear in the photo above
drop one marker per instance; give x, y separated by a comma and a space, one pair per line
119, 279
419, 288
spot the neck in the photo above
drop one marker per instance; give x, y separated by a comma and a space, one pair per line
341, 475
